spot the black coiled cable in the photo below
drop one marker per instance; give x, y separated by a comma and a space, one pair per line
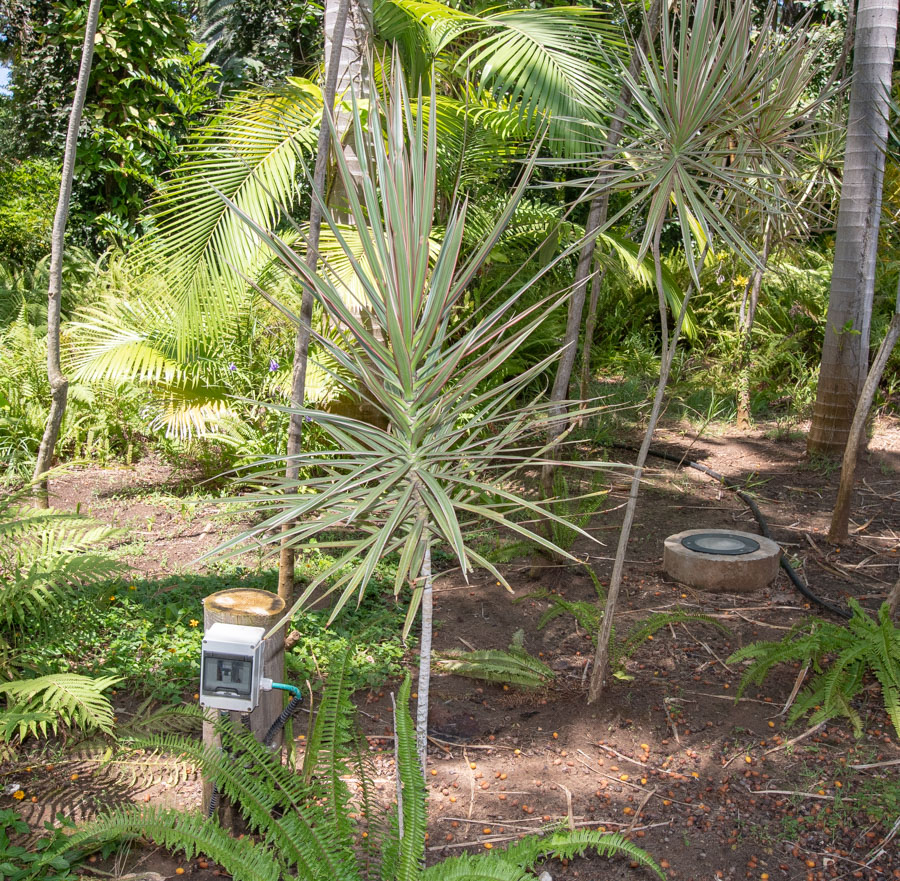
281, 721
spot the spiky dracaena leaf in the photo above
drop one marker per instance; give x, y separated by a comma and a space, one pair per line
451, 444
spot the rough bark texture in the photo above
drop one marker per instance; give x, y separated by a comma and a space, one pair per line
59, 385
352, 79
590, 326
301, 343
846, 348
841, 516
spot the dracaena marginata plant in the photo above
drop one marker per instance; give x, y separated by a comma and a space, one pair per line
442, 467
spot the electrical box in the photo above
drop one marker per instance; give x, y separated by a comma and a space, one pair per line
231, 667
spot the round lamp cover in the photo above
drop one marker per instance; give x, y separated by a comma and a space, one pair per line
719, 543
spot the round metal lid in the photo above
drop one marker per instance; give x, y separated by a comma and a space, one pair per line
720, 543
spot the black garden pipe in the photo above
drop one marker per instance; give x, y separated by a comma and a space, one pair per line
761, 521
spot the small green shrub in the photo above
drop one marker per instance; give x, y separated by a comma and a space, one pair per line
18, 862
863, 645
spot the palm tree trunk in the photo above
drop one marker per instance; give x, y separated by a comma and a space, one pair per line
845, 353
59, 384
425, 655
837, 533
304, 331
601, 657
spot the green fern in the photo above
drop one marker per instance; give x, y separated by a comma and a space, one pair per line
67, 698
864, 645
512, 667
295, 832
45, 556
577, 510
649, 626
590, 616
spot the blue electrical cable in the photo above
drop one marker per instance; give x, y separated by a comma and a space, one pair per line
286, 713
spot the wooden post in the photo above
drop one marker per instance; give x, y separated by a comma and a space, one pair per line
254, 608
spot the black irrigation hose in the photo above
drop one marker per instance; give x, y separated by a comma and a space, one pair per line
761, 521
281, 721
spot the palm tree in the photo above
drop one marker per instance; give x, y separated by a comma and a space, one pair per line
845, 353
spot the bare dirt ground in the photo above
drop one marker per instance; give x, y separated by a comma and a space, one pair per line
712, 788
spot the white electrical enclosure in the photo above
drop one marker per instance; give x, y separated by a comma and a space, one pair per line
231, 667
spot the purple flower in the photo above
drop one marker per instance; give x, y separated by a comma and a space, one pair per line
273, 365
232, 367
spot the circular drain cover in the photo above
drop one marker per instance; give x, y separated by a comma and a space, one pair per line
720, 543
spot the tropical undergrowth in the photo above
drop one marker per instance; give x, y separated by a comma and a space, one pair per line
47, 558
147, 632
314, 825
843, 659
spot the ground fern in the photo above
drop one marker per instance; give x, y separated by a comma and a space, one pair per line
863, 645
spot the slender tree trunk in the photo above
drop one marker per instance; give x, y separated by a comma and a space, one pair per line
425, 655
596, 221
601, 657
59, 384
846, 349
304, 331
590, 326
841, 516
748, 316
349, 56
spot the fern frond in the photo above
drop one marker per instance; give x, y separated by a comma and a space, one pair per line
66, 697
411, 852
495, 665
191, 833
863, 645
513, 864
649, 626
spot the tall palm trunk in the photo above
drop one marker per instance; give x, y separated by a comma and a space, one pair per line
352, 80
845, 354
59, 384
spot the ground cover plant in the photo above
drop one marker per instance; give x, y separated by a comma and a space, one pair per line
494, 166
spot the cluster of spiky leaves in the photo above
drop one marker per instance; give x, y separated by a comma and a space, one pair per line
442, 466
512, 667
44, 556
841, 656
309, 827
719, 116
